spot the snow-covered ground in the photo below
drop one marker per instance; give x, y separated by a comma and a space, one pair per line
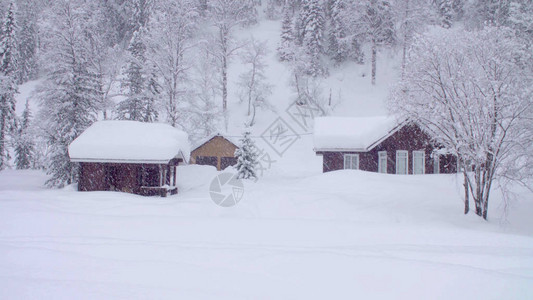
341, 235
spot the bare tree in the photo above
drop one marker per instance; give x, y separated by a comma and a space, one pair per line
472, 92
226, 15
254, 88
173, 25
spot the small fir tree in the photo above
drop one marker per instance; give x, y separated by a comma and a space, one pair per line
246, 158
285, 49
24, 145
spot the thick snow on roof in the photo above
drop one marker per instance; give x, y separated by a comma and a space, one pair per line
130, 141
341, 133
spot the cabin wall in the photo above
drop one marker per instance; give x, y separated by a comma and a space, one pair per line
410, 138
218, 147
92, 177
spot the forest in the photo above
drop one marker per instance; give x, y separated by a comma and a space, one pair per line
466, 70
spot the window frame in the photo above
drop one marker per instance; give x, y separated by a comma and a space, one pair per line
381, 155
351, 156
436, 163
406, 161
423, 162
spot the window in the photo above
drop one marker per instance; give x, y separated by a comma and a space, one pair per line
436, 163
382, 161
419, 162
351, 161
402, 160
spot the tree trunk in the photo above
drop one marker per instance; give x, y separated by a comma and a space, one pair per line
2, 138
374, 54
405, 38
467, 192
224, 83
479, 194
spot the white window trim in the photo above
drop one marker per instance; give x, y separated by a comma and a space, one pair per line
436, 163
380, 154
423, 161
351, 156
406, 161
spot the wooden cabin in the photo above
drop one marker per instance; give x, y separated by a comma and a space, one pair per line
217, 151
129, 156
379, 144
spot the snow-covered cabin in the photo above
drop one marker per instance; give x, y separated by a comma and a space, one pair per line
378, 144
129, 156
216, 150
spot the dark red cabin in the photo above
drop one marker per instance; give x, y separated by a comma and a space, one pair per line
379, 144
128, 156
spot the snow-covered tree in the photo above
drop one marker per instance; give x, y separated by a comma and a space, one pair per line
204, 112
139, 104
171, 46
312, 36
226, 15
247, 157
27, 40
254, 88
445, 11
286, 46
70, 96
412, 17
379, 24
521, 19
24, 144
339, 44
8, 78
472, 92
141, 11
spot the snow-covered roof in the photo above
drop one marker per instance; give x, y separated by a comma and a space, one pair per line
130, 141
201, 142
352, 134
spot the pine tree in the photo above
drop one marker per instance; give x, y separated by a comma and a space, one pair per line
71, 95
24, 145
446, 13
339, 48
27, 41
140, 84
8, 87
312, 36
285, 49
247, 158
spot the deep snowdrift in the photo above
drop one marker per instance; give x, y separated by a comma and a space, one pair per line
342, 235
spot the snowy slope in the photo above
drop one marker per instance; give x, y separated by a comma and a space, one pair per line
341, 235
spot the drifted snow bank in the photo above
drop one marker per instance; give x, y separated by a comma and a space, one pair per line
351, 133
130, 141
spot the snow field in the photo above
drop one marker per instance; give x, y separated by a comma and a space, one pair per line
339, 235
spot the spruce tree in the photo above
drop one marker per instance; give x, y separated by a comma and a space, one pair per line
8, 74
339, 47
285, 49
27, 41
312, 36
247, 158
24, 145
71, 96
140, 83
